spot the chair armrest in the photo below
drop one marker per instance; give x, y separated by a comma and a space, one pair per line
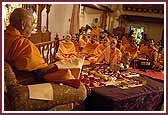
63, 94
9, 76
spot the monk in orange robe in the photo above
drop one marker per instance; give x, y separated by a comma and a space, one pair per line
95, 31
83, 40
66, 49
120, 45
75, 40
89, 51
160, 60
149, 52
142, 44
111, 54
21, 53
132, 49
125, 40
100, 48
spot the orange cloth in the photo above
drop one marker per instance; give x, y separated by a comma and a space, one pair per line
110, 57
141, 46
89, 49
77, 47
132, 50
66, 50
149, 52
121, 48
95, 32
83, 41
125, 40
90, 53
20, 52
99, 49
61, 74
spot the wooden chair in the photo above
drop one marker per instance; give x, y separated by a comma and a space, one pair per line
16, 85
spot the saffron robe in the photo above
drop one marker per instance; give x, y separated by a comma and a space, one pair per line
20, 52
66, 50
110, 57
150, 53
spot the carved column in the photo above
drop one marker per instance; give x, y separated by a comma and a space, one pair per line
40, 9
47, 10
104, 20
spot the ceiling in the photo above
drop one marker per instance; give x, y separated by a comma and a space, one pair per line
150, 8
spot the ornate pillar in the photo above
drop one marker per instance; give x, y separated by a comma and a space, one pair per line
40, 9
104, 20
48, 10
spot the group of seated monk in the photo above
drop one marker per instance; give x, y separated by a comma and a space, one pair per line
110, 49
97, 47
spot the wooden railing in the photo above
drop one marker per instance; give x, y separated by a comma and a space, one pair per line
48, 50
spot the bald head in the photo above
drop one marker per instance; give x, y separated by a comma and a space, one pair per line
22, 20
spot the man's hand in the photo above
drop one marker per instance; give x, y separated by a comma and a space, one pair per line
49, 69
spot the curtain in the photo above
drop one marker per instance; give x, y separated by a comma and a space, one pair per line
74, 25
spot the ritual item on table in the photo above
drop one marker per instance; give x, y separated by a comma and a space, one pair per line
142, 63
73, 64
99, 76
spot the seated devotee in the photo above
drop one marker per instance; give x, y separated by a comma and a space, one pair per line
75, 40
95, 31
125, 39
66, 48
102, 45
89, 51
149, 52
83, 40
160, 60
132, 48
22, 54
111, 54
158, 45
142, 44
143, 41
119, 45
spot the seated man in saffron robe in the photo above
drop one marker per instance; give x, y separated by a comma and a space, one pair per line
83, 40
131, 48
95, 31
125, 39
75, 40
66, 49
89, 51
119, 45
149, 52
100, 48
22, 54
111, 54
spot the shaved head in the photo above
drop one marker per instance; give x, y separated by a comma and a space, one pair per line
18, 15
22, 19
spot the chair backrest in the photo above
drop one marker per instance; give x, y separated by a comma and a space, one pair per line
48, 50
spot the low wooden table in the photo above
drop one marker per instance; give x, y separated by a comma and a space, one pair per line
111, 98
